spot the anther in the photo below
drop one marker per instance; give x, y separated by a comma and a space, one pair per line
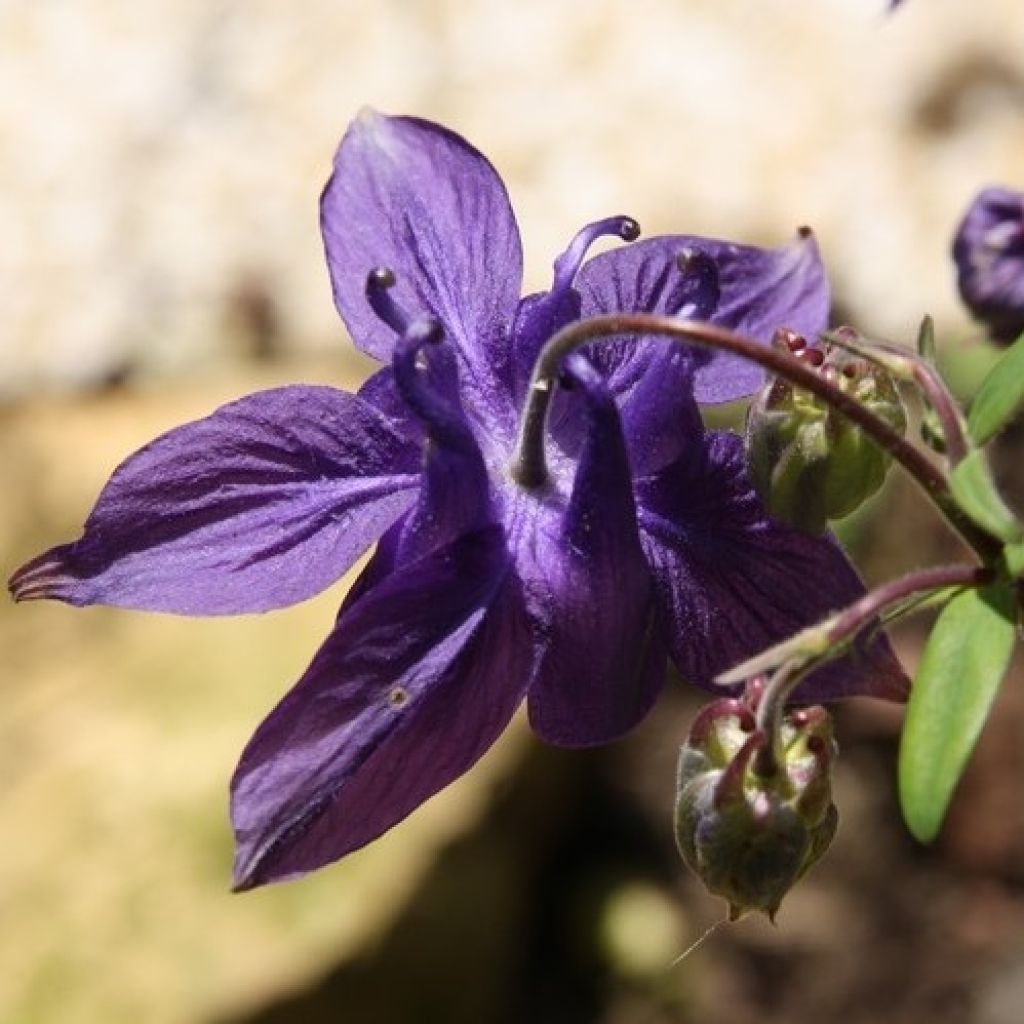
812, 356
379, 283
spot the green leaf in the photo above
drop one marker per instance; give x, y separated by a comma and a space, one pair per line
975, 492
1013, 557
1000, 396
960, 671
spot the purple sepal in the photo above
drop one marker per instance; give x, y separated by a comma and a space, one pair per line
418, 199
417, 680
264, 503
732, 581
759, 290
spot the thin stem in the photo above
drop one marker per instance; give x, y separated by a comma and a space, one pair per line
529, 466
770, 710
827, 639
924, 375
841, 628
852, 619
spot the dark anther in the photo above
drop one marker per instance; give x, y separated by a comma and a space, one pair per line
629, 229
812, 356
804, 231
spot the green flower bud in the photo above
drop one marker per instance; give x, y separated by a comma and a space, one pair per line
750, 837
809, 463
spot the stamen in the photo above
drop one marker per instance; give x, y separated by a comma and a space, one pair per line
379, 283
567, 265
444, 422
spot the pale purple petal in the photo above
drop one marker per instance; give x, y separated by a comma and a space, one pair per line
590, 594
760, 291
417, 680
262, 504
733, 581
413, 196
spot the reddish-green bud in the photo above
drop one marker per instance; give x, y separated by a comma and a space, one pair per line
750, 836
808, 462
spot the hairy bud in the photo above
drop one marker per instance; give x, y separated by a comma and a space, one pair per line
750, 837
809, 463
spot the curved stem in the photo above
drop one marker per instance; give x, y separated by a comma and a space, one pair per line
529, 466
843, 627
852, 619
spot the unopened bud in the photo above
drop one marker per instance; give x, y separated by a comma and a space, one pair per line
989, 254
808, 462
748, 836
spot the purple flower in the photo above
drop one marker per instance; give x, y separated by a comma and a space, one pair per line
989, 254
646, 543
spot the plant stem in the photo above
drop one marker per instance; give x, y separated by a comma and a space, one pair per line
529, 465
843, 627
847, 623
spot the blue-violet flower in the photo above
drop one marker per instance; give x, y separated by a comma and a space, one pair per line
646, 543
988, 250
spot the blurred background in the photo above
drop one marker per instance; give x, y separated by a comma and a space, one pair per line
160, 163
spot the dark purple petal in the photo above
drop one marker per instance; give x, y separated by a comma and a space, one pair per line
759, 291
989, 254
262, 504
416, 681
591, 596
413, 196
732, 581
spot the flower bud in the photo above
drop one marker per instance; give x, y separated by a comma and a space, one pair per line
750, 837
989, 254
808, 462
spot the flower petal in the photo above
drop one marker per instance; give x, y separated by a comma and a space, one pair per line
760, 291
262, 504
417, 680
732, 580
417, 198
591, 596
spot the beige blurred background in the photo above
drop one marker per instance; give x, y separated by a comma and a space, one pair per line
160, 162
